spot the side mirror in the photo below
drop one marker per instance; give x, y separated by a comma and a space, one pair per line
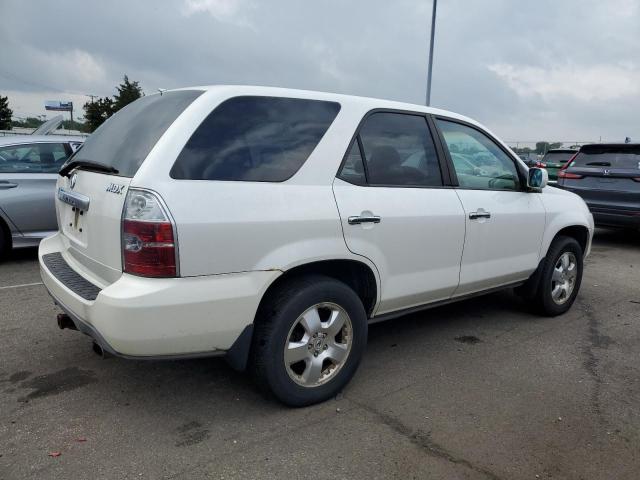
537, 179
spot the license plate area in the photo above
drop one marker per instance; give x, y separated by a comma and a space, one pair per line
73, 211
73, 223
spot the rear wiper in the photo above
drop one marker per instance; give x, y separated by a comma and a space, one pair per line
88, 164
598, 164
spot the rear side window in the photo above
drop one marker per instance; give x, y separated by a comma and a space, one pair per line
125, 140
33, 158
615, 157
259, 139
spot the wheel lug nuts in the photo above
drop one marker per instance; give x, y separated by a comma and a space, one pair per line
325, 346
315, 354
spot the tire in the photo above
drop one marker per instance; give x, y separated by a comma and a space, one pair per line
327, 361
5, 244
558, 286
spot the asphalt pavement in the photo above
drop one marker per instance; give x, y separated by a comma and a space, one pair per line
482, 389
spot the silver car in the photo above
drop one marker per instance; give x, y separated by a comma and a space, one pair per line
29, 167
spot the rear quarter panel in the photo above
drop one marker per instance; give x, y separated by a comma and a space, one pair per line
231, 226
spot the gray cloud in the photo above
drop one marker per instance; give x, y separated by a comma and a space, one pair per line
528, 70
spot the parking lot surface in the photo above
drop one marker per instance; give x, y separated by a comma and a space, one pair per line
477, 390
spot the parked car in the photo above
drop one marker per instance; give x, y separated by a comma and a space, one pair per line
29, 167
273, 225
554, 160
607, 177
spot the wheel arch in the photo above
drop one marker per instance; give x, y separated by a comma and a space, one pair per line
358, 275
578, 232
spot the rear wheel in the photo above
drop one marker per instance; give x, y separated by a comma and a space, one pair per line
309, 337
560, 278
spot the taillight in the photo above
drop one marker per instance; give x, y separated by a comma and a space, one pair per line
568, 175
148, 236
562, 173
541, 165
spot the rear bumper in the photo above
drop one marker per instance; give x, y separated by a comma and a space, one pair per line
611, 214
616, 218
162, 318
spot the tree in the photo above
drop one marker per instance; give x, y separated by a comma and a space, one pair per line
127, 92
544, 147
29, 122
95, 113
5, 113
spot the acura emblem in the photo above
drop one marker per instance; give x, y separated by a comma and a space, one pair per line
72, 181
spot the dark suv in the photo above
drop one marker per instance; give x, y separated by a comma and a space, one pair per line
607, 177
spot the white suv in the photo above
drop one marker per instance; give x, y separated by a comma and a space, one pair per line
272, 225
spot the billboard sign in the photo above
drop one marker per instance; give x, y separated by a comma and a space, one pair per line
58, 106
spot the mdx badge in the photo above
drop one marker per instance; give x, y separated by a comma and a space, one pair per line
115, 188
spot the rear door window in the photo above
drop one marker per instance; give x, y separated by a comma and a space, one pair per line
399, 151
259, 139
33, 158
125, 140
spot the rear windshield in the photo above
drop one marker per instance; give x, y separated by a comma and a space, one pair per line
559, 157
125, 140
627, 158
259, 139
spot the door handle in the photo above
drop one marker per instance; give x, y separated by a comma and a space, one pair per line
6, 185
479, 214
357, 220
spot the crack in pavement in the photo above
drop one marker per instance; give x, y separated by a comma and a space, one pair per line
595, 339
423, 441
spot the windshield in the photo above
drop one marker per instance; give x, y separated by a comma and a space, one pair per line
125, 140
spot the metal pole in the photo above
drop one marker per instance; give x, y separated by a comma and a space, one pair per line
433, 34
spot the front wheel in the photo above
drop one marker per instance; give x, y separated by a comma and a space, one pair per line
309, 337
560, 278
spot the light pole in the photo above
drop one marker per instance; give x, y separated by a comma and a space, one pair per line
433, 34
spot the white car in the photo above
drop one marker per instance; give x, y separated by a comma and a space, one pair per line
273, 225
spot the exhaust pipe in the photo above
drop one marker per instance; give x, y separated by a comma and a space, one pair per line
64, 321
99, 350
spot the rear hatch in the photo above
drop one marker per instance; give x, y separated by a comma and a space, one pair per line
606, 176
93, 184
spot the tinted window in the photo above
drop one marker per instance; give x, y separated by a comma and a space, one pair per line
125, 139
263, 139
479, 163
33, 158
353, 168
626, 158
399, 150
558, 157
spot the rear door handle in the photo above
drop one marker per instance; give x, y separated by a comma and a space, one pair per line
479, 214
357, 220
4, 185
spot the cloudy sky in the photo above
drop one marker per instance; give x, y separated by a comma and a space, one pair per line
529, 70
